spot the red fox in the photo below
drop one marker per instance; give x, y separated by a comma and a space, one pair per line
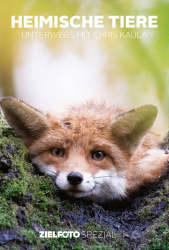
93, 151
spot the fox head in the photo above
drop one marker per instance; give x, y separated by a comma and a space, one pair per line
87, 151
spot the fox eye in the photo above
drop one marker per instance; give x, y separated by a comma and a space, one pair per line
58, 152
98, 155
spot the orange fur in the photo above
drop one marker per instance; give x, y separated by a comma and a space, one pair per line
87, 128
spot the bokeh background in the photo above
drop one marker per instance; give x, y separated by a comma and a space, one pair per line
51, 73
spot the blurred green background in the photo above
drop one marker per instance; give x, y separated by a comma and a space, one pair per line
136, 68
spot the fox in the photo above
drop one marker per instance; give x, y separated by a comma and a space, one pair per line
95, 151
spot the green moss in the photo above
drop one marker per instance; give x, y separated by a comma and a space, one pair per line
157, 235
95, 227
7, 215
166, 188
145, 213
159, 244
158, 241
29, 235
15, 188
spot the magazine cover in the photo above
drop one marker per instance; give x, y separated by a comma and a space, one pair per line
84, 121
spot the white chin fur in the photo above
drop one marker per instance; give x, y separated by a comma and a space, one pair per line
79, 194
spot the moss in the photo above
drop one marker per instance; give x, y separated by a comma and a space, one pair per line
166, 186
7, 215
145, 213
95, 227
158, 241
30, 235
157, 235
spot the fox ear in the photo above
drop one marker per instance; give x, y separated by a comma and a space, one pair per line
131, 126
28, 122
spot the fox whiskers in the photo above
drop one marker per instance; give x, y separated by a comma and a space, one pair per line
102, 176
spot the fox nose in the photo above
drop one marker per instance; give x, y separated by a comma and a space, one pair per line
75, 178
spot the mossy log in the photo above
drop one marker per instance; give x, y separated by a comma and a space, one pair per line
30, 203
